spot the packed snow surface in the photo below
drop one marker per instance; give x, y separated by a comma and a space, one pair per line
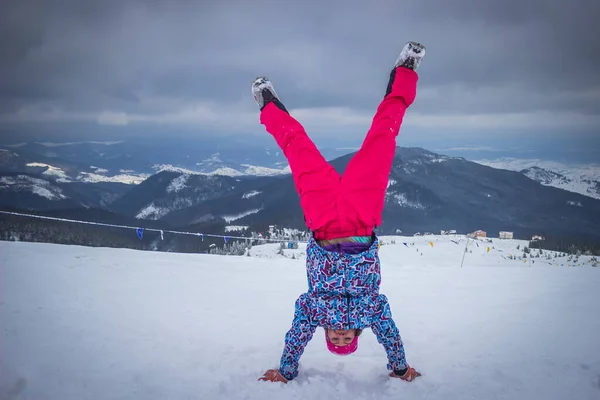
99, 323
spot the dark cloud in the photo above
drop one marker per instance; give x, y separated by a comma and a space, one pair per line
159, 57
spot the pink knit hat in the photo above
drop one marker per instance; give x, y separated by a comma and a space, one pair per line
342, 350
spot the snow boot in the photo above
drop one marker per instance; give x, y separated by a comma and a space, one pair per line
264, 93
410, 56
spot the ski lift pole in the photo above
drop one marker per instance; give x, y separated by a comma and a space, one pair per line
464, 252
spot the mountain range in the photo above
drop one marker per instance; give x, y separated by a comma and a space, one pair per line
132, 162
583, 179
427, 192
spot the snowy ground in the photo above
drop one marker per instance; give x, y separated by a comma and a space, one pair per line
94, 323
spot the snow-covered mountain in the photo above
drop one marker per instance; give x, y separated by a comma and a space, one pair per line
26, 183
95, 175
224, 169
170, 191
30, 192
53, 191
216, 165
426, 192
61, 170
132, 162
584, 179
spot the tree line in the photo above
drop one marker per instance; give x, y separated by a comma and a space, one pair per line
568, 245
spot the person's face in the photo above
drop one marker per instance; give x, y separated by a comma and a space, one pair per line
341, 337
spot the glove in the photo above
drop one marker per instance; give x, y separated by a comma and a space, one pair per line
408, 376
273, 375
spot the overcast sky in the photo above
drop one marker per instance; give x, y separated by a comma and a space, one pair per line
496, 72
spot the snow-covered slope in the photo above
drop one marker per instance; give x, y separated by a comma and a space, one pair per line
52, 172
26, 183
169, 191
48, 166
96, 174
31, 192
215, 165
101, 175
94, 323
52, 189
92, 175
583, 179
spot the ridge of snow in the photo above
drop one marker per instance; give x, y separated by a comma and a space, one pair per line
225, 171
251, 193
91, 177
582, 179
56, 173
437, 158
231, 218
171, 168
264, 171
249, 170
36, 186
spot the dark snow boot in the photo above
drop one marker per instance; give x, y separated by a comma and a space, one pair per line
264, 93
410, 56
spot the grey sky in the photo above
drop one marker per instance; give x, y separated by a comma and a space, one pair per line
110, 68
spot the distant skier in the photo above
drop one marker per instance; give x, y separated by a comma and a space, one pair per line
342, 259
